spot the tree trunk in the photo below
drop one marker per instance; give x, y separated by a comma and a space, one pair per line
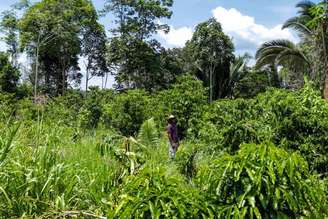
211, 84
87, 82
106, 80
325, 82
36, 69
63, 81
325, 89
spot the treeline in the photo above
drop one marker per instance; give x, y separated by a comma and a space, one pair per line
60, 38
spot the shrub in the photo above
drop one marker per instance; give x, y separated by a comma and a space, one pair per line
292, 120
7, 102
158, 192
92, 109
252, 84
64, 109
262, 181
126, 112
186, 100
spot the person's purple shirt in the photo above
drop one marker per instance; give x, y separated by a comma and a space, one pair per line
173, 132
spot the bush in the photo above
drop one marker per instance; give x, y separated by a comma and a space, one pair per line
92, 109
185, 100
252, 84
158, 192
127, 112
7, 102
64, 109
292, 120
9, 75
262, 181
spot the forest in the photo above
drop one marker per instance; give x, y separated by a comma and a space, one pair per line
254, 137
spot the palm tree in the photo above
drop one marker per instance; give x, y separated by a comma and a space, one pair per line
311, 26
319, 24
238, 70
282, 53
301, 22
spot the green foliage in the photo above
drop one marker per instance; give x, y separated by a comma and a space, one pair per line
309, 57
6, 103
148, 134
51, 32
126, 112
262, 181
64, 109
212, 52
158, 192
295, 121
253, 83
91, 112
105, 153
9, 75
187, 156
140, 61
185, 100
6, 144
282, 53
51, 170
9, 27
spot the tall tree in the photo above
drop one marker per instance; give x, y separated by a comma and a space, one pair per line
94, 51
51, 33
9, 28
319, 23
132, 51
9, 75
139, 18
212, 55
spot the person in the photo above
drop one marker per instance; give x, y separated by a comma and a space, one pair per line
172, 132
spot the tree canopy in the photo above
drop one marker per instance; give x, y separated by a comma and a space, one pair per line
212, 55
9, 75
55, 28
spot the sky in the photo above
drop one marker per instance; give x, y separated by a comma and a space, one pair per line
249, 23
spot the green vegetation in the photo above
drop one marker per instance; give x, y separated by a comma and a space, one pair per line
254, 140
262, 157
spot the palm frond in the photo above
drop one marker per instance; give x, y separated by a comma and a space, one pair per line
282, 53
265, 61
305, 7
148, 134
273, 47
300, 22
238, 69
294, 59
299, 25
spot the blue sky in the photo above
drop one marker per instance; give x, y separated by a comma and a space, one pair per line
243, 20
248, 22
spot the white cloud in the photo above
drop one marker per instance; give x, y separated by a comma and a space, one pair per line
177, 37
245, 31
2, 46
